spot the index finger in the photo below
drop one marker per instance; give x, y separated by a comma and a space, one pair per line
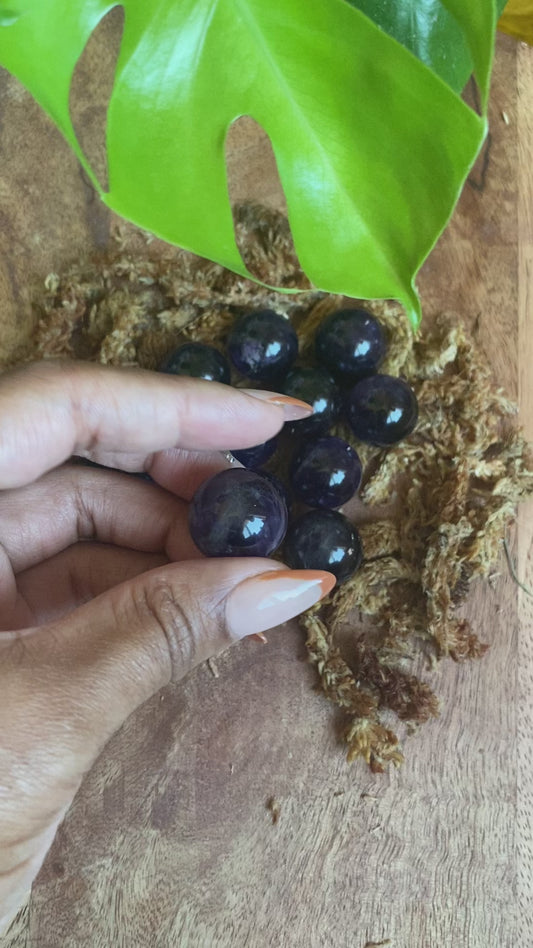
51, 410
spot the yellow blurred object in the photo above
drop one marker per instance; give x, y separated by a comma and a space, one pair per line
517, 20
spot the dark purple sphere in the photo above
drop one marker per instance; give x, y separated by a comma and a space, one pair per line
197, 361
279, 486
237, 513
263, 345
382, 410
316, 387
326, 472
258, 455
324, 539
351, 344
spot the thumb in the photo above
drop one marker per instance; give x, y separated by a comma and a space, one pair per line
66, 688
83, 676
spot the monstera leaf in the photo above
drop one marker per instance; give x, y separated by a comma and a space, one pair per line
452, 37
372, 146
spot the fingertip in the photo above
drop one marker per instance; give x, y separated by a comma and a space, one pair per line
294, 409
270, 598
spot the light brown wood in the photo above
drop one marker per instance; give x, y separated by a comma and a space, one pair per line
170, 841
525, 527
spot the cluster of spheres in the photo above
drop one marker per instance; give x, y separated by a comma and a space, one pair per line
248, 511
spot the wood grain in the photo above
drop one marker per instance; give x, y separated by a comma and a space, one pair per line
525, 526
170, 841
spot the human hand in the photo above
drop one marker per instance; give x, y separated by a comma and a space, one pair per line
104, 598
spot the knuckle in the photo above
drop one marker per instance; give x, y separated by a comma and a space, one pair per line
85, 520
159, 603
53, 373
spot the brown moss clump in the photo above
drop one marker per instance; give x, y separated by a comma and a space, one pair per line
434, 509
442, 501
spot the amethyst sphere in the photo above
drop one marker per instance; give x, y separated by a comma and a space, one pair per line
326, 472
237, 513
351, 344
318, 388
263, 345
258, 455
382, 410
198, 361
324, 539
279, 486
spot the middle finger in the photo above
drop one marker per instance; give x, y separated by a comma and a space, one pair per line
75, 503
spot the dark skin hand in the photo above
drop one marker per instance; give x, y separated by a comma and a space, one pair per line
104, 598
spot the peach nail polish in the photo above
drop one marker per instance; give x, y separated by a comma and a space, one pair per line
293, 408
259, 637
264, 601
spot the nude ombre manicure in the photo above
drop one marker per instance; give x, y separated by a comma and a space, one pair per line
264, 601
293, 408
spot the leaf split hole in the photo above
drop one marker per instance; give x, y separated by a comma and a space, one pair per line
91, 89
253, 181
472, 96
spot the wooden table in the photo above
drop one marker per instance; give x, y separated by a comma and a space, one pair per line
170, 842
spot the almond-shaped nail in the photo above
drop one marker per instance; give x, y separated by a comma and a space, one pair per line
260, 637
264, 601
294, 409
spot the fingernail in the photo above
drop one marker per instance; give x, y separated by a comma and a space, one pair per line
259, 637
294, 409
264, 601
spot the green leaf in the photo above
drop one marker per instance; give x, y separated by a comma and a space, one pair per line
372, 147
478, 19
452, 37
429, 31
9, 14
7, 17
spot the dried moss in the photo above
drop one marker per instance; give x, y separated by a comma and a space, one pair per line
435, 508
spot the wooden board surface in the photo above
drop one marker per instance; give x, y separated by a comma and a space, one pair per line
169, 841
